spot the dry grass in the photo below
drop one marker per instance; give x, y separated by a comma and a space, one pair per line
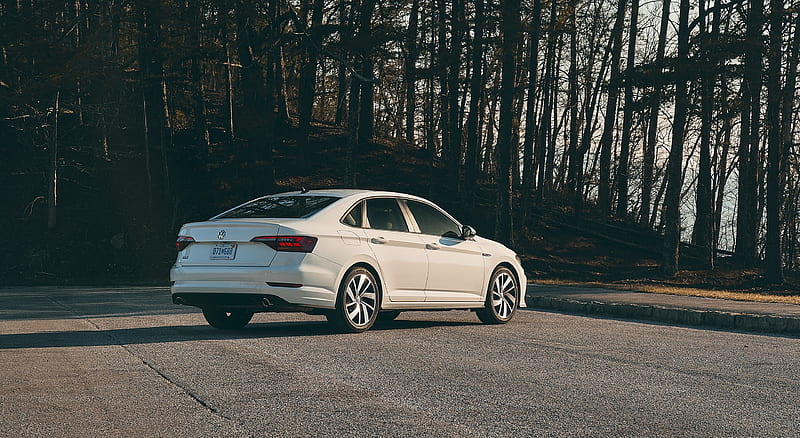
776, 297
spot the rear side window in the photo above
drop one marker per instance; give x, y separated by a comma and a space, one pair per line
385, 214
286, 207
432, 221
354, 216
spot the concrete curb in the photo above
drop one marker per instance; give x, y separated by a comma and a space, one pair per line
708, 318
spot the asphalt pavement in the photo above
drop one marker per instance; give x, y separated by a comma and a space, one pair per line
78, 362
717, 313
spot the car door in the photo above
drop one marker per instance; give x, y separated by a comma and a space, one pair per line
455, 266
400, 253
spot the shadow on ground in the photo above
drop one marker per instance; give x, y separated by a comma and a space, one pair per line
183, 333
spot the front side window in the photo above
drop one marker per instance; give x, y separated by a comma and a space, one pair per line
282, 207
432, 221
385, 214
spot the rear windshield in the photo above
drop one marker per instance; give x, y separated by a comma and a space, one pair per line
280, 207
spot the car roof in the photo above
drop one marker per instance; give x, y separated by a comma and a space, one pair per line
341, 193
347, 193
346, 199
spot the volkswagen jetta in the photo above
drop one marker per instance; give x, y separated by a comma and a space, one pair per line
355, 256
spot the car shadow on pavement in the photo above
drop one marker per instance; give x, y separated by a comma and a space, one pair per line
182, 333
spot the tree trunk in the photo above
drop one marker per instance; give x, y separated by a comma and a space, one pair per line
198, 94
282, 118
548, 84
430, 122
308, 76
722, 165
342, 88
574, 123
529, 173
702, 232
410, 71
627, 117
259, 105
441, 71
510, 27
153, 102
351, 153
607, 139
672, 214
721, 159
552, 125
747, 218
366, 124
774, 253
590, 108
453, 157
52, 181
790, 219
229, 93
489, 157
475, 96
649, 153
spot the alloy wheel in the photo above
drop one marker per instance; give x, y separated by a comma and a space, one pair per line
504, 295
360, 300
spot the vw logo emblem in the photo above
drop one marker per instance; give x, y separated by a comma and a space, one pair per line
221, 234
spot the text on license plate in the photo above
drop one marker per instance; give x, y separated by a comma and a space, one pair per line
223, 251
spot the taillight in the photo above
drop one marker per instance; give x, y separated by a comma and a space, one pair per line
288, 243
183, 242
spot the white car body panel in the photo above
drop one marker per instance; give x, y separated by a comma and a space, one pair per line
455, 266
402, 262
454, 275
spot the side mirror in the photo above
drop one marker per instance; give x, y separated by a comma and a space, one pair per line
467, 232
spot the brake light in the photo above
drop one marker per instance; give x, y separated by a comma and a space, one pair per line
183, 242
288, 243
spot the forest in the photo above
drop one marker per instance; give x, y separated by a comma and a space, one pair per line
122, 119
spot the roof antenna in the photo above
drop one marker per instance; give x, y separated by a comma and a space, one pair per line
303, 190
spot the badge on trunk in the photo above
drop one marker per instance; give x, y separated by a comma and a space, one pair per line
221, 234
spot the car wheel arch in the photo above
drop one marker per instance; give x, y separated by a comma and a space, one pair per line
510, 267
368, 266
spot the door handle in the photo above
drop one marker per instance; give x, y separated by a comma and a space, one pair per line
431, 246
378, 240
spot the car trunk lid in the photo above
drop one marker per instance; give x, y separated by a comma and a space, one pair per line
227, 243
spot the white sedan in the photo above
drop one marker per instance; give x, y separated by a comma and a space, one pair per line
356, 256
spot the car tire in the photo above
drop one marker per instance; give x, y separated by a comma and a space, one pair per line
502, 297
357, 302
227, 320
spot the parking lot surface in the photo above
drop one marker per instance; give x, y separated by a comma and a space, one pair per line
125, 361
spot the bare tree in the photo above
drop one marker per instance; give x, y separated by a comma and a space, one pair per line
702, 233
627, 118
672, 215
747, 213
476, 95
606, 141
308, 70
52, 180
411, 54
649, 156
511, 26
529, 169
773, 247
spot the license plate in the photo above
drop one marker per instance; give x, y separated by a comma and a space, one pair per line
223, 251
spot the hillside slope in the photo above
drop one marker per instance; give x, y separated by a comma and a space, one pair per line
104, 235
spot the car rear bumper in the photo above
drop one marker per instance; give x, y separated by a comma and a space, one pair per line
238, 302
230, 295
307, 284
